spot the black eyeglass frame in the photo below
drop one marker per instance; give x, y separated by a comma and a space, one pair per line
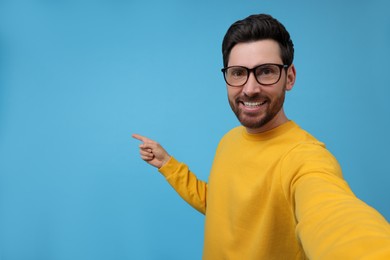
280, 66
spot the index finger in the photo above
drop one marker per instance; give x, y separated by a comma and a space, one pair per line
140, 137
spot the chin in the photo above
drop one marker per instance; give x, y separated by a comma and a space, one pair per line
252, 124
255, 123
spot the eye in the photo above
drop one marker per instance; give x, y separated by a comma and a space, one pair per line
237, 72
267, 70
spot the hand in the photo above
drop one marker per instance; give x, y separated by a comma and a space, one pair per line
152, 152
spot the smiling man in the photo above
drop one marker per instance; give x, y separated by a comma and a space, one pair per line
274, 191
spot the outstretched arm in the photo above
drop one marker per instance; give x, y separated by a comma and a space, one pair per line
332, 223
152, 152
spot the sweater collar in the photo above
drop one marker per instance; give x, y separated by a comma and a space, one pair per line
270, 134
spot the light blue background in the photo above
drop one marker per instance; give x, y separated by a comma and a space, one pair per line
77, 78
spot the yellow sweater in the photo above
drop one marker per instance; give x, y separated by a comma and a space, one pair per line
279, 195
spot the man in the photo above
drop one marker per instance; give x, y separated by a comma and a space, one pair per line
274, 191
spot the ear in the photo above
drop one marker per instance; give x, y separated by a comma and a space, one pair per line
290, 79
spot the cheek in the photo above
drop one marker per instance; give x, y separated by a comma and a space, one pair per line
275, 92
233, 92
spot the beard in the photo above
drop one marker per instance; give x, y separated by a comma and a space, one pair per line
254, 121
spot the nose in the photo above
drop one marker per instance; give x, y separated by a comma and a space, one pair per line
251, 87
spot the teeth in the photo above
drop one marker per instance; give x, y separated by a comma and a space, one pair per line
253, 104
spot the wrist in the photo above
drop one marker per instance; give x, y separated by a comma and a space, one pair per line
165, 160
170, 167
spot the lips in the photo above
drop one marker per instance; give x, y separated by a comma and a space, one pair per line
252, 107
254, 104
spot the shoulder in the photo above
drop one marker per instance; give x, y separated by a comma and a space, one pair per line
231, 138
307, 148
307, 155
303, 136
234, 133
310, 157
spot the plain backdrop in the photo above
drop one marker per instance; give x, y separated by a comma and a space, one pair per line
78, 77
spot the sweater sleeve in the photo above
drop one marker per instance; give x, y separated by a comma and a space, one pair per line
332, 223
186, 184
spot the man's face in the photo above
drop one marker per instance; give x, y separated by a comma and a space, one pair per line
259, 108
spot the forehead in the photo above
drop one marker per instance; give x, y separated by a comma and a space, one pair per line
250, 54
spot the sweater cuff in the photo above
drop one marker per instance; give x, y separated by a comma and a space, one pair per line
169, 167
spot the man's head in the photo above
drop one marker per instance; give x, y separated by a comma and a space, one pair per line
258, 55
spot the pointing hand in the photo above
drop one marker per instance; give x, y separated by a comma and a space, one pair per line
152, 152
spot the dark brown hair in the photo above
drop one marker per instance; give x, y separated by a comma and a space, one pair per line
258, 27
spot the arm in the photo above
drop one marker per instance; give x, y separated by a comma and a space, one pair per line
332, 223
186, 184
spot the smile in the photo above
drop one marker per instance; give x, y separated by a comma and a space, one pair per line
253, 104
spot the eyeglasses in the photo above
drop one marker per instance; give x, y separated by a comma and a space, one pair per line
265, 74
